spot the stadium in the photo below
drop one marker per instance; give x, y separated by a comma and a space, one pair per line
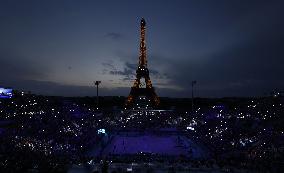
141, 86
60, 134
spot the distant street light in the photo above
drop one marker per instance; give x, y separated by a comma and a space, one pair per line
192, 84
97, 83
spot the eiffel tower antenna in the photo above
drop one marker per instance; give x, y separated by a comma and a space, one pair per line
142, 72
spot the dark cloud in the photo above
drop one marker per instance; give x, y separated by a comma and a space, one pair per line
128, 78
114, 36
131, 66
108, 65
129, 72
158, 75
125, 72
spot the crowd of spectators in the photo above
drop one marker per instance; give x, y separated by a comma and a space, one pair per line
50, 133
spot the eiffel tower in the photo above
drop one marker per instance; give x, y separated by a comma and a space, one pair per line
142, 71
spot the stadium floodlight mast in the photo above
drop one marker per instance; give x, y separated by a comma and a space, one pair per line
192, 97
97, 83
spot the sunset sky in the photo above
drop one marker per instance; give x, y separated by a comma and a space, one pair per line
231, 48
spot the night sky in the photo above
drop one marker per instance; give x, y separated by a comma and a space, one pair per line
232, 48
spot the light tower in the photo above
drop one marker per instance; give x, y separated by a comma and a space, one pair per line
97, 83
192, 97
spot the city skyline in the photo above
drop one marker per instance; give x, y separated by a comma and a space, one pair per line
60, 48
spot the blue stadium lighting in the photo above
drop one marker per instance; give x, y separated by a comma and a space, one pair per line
6, 93
101, 131
190, 128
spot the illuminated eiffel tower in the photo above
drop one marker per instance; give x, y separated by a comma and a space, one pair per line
142, 71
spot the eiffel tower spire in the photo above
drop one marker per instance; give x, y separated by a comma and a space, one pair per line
142, 57
142, 72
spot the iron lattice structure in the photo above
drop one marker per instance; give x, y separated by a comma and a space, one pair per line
142, 72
